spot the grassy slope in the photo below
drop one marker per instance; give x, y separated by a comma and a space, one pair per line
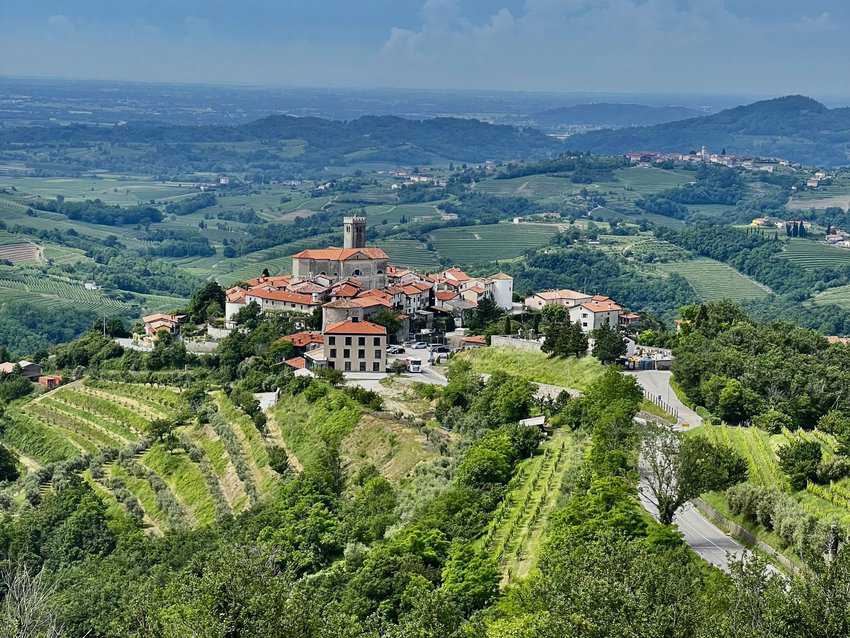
535, 366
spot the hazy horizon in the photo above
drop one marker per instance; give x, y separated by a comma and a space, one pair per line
717, 47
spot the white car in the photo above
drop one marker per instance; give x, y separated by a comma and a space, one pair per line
420, 345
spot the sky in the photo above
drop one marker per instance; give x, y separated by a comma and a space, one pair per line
768, 47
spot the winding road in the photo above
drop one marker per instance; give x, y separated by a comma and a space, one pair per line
702, 536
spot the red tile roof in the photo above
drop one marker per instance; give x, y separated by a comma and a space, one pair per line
341, 254
297, 363
346, 290
282, 295
476, 339
275, 280
445, 295
457, 274
304, 338
349, 327
601, 306
359, 302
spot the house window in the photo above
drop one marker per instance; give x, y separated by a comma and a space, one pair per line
376, 341
331, 341
377, 354
361, 341
362, 366
348, 366
333, 353
348, 341
346, 354
357, 272
361, 354
376, 367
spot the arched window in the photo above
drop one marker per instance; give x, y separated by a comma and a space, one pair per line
357, 272
380, 272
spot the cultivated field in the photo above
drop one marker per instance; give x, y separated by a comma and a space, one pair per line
759, 449
839, 296
49, 291
713, 280
113, 189
210, 472
809, 253
517, 528
480, 244
410, 253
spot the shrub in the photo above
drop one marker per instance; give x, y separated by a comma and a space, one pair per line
773, 421
278, 460
799, 459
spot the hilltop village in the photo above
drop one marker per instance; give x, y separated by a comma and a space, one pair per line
358, 307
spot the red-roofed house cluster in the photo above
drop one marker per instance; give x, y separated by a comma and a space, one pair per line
591, 311
353, 285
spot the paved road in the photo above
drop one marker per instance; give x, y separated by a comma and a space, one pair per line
701, 535
657, 384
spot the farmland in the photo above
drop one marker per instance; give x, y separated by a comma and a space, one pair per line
211, 471
492, 242
113, 189
814, 254
839, 296
517, 528
713, 280
52, 291
410, 253
759, 449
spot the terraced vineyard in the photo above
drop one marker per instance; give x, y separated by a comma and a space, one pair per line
518, 525
211, 471
839, 296
759, 449
490, 242
53, 292
410, 253
809, 253
713, 280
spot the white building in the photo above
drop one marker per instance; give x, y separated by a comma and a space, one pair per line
596, 313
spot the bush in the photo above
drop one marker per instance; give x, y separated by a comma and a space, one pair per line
773, 421
799, 459
368, 398
278, 460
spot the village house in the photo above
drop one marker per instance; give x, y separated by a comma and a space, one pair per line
161, 322
304, 340
29, 370
597, 312
356, 346
565, 297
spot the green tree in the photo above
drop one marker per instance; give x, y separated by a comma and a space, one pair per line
679, 469
609, 344
736, 403
8, 464
799, 459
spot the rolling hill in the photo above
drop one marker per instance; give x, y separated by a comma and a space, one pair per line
604, 114
311, 140
795, 127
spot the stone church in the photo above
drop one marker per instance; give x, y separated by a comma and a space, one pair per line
367, 264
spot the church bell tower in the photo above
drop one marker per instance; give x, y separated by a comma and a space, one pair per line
354, 232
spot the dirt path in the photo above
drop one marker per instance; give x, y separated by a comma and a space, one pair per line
275, 436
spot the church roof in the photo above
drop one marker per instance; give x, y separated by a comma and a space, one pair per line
342, 254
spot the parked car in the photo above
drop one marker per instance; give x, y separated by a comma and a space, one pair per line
395, 350
441, 349
420, 345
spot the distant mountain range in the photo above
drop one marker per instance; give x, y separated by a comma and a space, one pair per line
610, 115
371, 138
794, 127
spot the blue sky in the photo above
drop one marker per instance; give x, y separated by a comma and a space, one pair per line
701, 46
